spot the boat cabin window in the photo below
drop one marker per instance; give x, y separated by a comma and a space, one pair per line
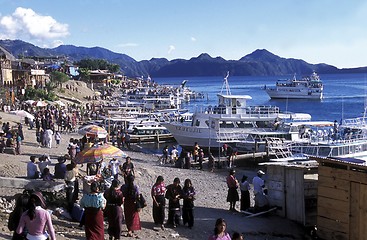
226, 124
242, 124
264, 124
195, 123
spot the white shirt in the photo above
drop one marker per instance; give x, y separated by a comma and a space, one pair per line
114, 165
258, 183
174, 153
245, 186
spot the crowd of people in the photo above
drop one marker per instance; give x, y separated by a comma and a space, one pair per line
118, 202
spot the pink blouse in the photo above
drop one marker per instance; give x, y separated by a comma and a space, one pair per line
225, 237
37, 226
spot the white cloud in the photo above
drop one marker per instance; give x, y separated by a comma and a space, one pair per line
171, 48
193, 39
57, 43
26, 24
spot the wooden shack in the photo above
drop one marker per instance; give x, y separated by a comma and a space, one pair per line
292, 188
342, 199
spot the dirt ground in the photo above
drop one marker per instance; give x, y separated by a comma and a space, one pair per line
210, 203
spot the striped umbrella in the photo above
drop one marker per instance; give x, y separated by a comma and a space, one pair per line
97, 153
93, 130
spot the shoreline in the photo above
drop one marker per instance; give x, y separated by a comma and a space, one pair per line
210, 204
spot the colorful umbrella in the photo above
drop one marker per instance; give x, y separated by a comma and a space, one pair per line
93, 130
22, 113
30, 102
60, 103
40, 104
97, 153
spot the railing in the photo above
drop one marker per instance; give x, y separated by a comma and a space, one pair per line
228, 137
250, 111
355, 122
333, 149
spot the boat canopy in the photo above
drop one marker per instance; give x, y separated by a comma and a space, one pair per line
295, 116
313, 124
247, 97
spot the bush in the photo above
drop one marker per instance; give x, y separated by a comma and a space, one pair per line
36, 94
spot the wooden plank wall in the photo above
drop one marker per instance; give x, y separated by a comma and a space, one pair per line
310, 199
295, 204
294, 191
358, 211
342, 196
275, 184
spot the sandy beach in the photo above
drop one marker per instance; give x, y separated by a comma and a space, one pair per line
210, 203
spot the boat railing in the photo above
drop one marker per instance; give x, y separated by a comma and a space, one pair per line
250, 111
231, 136
330, 150
355, 122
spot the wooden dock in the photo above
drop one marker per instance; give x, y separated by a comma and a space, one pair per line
242, 160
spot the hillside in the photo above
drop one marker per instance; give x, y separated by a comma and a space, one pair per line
81, 90
258, 63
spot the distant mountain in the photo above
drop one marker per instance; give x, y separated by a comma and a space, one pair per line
258, 63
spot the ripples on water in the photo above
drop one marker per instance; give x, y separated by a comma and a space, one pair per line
344, 95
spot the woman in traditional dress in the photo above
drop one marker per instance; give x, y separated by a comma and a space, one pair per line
113, 210
159, 202
220, 231
93, 203
245, 194
188, 195
130, 191
174, 194
232, 196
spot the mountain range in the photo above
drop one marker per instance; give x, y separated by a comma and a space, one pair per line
258, 63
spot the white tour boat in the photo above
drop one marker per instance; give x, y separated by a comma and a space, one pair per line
305, 88
232, 121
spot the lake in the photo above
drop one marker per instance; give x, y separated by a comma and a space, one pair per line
344, 94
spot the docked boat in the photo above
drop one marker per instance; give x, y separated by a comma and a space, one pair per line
306, 88
150, 134
231, 121
348, 139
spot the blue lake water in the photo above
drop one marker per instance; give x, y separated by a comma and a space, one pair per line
344, 94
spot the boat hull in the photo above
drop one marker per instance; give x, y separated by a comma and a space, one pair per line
151, 138
186, 135
280, 94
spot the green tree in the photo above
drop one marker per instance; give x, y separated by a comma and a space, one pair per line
59, 78
36, 94
84, 74
114, 68
95, 64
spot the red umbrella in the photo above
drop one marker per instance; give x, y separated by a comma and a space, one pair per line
97, 153
93, 130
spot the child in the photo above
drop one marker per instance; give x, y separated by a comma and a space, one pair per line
46, 175
57, 138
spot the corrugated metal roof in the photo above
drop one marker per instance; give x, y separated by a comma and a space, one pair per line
7, 54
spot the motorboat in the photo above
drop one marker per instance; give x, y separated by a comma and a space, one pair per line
310, 87
231, 121
349, 139
151, 133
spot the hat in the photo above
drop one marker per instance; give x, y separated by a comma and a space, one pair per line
40, 197
260, 172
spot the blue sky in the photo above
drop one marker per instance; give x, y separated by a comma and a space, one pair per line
317, 31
